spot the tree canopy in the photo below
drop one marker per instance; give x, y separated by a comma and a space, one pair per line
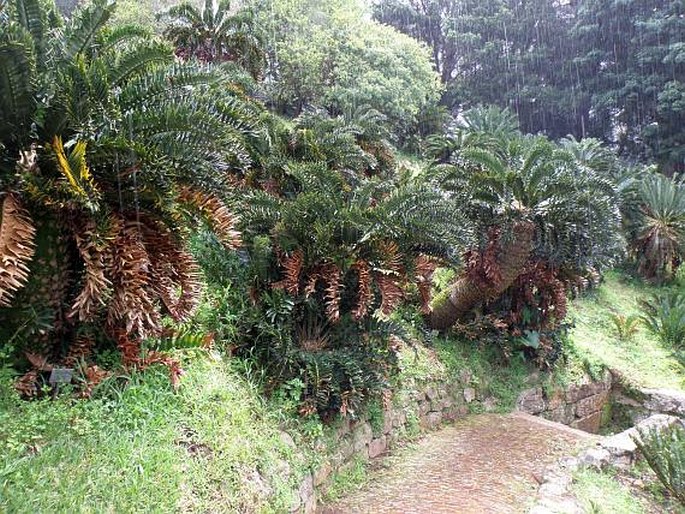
333, 55
612, 70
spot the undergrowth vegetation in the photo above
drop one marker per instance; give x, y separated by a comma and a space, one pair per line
138, 445
642, 360
664, 451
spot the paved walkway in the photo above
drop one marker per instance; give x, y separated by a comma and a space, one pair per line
482, 464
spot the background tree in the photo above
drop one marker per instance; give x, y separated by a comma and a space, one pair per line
611, 70
330, 54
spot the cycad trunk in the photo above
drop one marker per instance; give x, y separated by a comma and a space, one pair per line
466, 293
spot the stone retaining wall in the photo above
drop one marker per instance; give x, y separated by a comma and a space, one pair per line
584, 406
639, 404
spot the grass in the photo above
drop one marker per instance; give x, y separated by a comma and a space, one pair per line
642, 360
447, 357
351, 478
209, 447
602, 493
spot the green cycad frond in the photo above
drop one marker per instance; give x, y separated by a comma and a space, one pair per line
17, 82
575, 209
592, 153
85, 25
165, 83
486, 159
30, 15
138, 60
184, 12
110, 38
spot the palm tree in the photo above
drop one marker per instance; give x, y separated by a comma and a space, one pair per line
526, 198
109, 153
216, 34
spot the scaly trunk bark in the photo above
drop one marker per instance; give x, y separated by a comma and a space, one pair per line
465, 293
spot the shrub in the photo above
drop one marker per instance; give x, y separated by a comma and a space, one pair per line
655, 222
664, 316
626, 326
664, 451
110, 152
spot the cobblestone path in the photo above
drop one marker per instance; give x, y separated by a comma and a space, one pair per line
482, 464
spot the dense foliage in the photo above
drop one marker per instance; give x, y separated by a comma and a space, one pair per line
612, 70
150, 198
110, 151
329, 54
337, 242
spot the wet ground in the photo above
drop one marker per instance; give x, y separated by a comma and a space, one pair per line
483, 464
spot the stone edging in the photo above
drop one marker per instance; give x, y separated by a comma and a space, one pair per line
554, 495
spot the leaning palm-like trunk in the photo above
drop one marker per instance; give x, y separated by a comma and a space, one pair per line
467, 292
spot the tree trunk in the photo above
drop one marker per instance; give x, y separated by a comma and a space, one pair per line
465, 293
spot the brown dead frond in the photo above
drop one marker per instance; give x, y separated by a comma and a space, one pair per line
364, 289
424, 268
79, 350
391, 292
174, 274
391, 257
292, 269
28, 385
132, 305
17, 247
333, 281
222, 221
96, 254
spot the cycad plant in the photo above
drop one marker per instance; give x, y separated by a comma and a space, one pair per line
655, 223
543, 219
664, 316
109, 153
626, 326
217, 33
664, 450
337, 249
